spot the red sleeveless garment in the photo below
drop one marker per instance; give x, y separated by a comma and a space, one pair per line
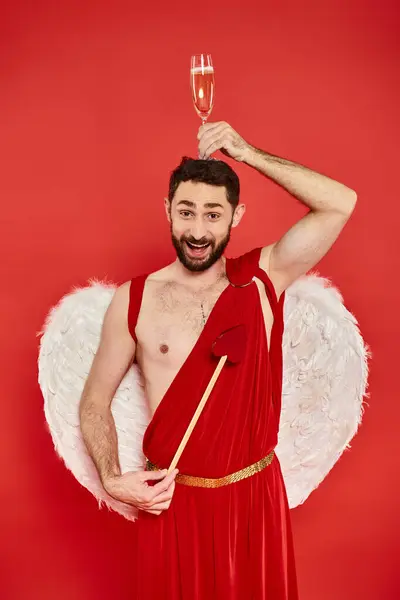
232, 542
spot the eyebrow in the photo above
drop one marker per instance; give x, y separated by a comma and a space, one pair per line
207, 205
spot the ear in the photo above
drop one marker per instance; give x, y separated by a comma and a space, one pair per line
167, 205
238, 214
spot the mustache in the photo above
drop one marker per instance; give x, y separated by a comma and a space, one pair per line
193, 240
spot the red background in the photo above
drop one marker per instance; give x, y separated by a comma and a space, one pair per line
95, 111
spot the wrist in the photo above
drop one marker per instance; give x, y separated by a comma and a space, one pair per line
109, 478
110, 484
265, 163
251, 156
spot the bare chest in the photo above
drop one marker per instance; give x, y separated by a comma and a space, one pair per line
171, 320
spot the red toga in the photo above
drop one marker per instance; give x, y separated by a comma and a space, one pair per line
233, 542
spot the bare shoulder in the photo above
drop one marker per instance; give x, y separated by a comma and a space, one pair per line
265, 258
116, 317
265, 264
121, 297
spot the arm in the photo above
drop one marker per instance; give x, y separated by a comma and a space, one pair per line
114, 356
330, 202
330, 205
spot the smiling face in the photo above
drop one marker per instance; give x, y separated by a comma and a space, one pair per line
201, 219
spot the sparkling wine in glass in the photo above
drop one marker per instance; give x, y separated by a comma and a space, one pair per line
203, 84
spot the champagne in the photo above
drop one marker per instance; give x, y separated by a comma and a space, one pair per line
202, 82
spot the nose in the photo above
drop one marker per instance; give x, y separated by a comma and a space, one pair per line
198, 229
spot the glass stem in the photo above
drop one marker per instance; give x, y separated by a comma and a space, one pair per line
203, 122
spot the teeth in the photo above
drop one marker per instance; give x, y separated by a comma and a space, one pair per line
197, 246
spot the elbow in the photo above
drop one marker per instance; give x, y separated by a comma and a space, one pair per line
353, 200
349, 203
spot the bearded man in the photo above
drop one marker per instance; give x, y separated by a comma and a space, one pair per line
220, 527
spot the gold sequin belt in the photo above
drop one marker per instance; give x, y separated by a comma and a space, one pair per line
206, 482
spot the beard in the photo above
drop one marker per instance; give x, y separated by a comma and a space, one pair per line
199, 264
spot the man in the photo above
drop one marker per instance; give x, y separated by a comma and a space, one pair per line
219, 528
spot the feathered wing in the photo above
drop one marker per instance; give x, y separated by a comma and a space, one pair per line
70, 338
325, 371
325, 376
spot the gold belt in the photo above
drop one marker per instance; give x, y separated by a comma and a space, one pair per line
206, 482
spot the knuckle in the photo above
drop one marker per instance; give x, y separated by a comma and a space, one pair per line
148, 495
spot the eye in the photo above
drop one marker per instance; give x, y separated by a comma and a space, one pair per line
186, 214
213, 216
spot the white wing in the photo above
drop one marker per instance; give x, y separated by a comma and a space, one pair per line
69, 341
325, 374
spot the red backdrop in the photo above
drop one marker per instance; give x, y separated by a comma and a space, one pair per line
95, 111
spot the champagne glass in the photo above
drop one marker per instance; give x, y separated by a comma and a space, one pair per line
202, 84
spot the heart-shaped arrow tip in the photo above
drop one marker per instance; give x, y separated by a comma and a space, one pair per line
231, 343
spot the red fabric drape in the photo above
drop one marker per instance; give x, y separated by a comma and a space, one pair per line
233, 542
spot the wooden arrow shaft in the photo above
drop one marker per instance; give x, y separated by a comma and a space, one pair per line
198, 412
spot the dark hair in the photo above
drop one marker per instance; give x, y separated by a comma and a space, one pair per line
213, 172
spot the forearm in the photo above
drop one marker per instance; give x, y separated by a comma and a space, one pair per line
318, 192
100, 437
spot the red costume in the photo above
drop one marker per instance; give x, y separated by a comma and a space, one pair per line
232, 542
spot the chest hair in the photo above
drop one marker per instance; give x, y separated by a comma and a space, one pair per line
181, 309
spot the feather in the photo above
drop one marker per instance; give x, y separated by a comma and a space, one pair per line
325, 378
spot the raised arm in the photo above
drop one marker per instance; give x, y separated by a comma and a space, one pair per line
114, 356
330, 202
307, 241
